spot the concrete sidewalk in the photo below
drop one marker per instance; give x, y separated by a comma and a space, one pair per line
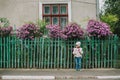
47, 74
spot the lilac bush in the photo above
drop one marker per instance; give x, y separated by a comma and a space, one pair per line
98, 29
28, 31
54, 31
5, 31
73, 30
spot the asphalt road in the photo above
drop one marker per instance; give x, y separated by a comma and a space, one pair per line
87, 74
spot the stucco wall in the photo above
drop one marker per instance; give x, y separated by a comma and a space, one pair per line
83, 10
20, 11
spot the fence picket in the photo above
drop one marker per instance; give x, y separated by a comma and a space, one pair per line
8, 52
46, 53
0, 53
98, 52
111, 54
115, 49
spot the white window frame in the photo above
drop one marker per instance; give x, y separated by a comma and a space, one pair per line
57, 2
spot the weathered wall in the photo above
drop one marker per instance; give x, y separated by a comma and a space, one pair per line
82, 10
20, 11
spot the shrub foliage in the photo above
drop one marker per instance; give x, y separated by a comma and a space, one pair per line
98, 29
29, 31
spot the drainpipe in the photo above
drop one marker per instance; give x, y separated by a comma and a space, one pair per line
97, 10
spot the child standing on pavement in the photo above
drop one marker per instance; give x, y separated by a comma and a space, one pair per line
77, 52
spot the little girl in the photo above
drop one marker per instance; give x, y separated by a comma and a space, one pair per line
77, 52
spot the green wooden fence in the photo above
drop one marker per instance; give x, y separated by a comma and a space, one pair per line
46, 53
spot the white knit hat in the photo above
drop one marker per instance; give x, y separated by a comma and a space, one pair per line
78, 43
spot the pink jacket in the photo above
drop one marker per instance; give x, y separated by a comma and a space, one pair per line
77, 52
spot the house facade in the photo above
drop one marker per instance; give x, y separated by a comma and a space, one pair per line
53, 11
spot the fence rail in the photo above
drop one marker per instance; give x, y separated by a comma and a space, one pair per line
46, 53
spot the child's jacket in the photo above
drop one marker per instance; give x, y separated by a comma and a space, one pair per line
77, 52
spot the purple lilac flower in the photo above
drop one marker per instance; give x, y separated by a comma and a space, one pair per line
55, 32
5, 31
98, 29
73, 30
28, 31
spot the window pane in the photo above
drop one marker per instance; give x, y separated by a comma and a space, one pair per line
55, 20
47, 19
63, 9
63, 21
55, 9
47, 9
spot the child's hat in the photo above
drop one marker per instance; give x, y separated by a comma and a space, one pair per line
78, 43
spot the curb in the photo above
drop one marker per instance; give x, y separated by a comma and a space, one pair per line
108, 77
22, 77
29, 77
75, 77
11, 77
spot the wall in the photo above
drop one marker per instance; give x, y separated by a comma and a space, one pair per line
20, 11
82, 10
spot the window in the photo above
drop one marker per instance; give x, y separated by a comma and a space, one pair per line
56, 14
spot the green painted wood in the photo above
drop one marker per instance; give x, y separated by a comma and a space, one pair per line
52, 52
55, 58
45, 55
111, 54
1, 53
4, 52
56, 53
16, 52
85, 49
115, 49
108, 54
64, 55
21, 52
71, 56
92, 52
42, 53
105, 56
40, 49
34, 54
68, 55
102, 53
28, 59
48, 54
8, 53
98, 51
37, 60
24, 53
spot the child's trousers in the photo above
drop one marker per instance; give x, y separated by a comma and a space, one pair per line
78, 63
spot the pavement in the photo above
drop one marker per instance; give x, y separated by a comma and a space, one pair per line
59, 74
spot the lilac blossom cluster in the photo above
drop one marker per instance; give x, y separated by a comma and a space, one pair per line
28, 31
98, 29
73, 30
55, 32
5, 31
69, 32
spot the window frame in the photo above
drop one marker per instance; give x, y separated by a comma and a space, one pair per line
51, 15
69, 2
